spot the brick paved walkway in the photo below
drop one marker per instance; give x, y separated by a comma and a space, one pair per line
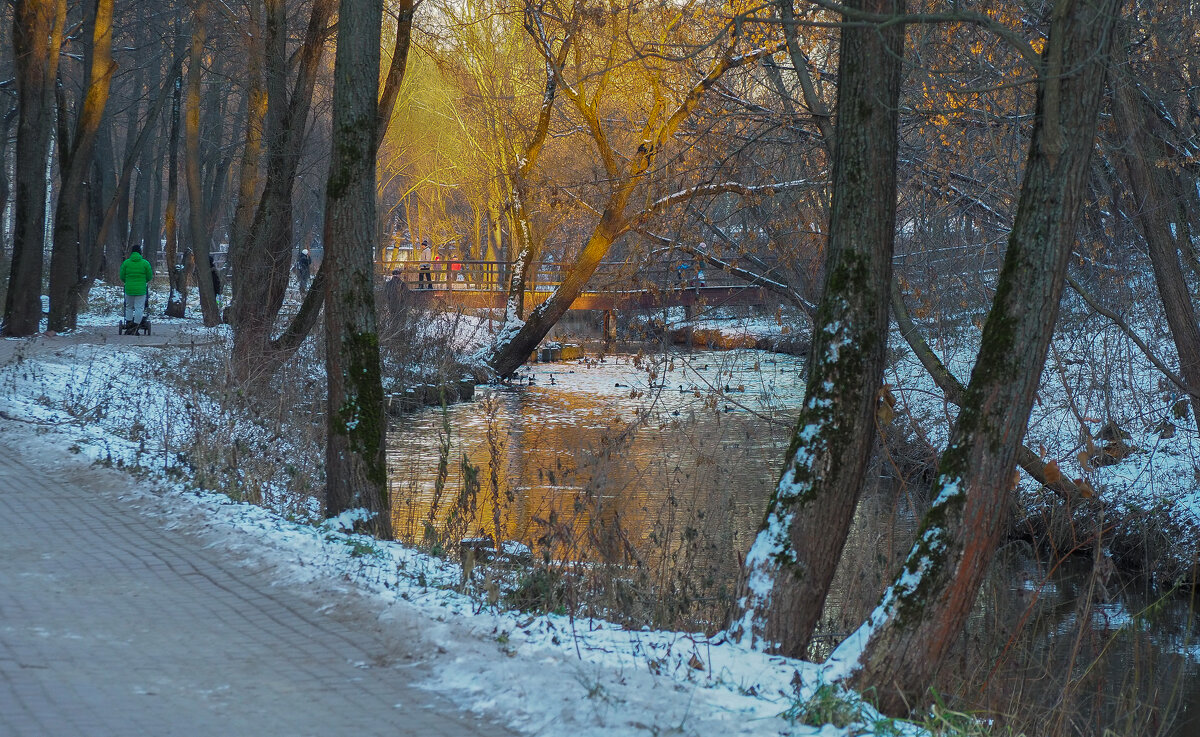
112, 625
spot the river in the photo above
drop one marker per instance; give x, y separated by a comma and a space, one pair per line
658, 469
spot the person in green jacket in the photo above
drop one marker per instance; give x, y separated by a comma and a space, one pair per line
136, 274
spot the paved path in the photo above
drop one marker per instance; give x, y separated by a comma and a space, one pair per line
112, 625
166, 332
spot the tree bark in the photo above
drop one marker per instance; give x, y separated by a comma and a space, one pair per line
68, 260
789, 569
356, 424
6, 121
37, 36
953, 390
898, 650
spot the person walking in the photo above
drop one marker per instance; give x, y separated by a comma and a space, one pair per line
135, 274
453, 267
425, 280
303, 270
216, 278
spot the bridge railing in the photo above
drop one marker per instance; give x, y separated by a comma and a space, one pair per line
493, 276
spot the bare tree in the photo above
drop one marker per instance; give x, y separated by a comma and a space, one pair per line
198, 228
1154, 188
68, 260
623, 173
37, 37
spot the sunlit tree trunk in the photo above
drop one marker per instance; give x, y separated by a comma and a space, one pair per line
355, 470
250, 171
528, 244
197, 213
37, 36
396, 69
789, 569
68, 260
897, 651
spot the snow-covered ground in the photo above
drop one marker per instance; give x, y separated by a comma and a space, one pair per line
109, 402
104, 400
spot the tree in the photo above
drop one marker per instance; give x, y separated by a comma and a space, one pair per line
262, 251
897, 651
1155, 188
198, 228
789, 569
37, 37
356, 474
622, 172
68, 260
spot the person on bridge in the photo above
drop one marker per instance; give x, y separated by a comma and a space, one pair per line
425, 280
135, 274
455, 267
683, 273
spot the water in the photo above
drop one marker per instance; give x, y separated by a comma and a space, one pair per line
601, 461
661, 467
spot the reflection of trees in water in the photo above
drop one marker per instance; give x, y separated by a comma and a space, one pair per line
1071, 648
656, 495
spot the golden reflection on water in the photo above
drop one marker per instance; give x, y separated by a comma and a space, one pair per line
627, 475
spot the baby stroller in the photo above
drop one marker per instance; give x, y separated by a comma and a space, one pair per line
137, 328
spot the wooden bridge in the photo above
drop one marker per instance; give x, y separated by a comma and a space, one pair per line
613, 286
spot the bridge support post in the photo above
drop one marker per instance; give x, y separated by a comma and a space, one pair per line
609, 331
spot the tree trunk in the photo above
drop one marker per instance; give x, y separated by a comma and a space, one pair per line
6, 121
154, 222
102, 246
176, 273
953, 390
37, 34
897, 651
68, 262
114, 202
198, 223
250, 172
528, 244
399, 63
789, 569
355, 470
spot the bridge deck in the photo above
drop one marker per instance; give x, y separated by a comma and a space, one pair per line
482, 284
